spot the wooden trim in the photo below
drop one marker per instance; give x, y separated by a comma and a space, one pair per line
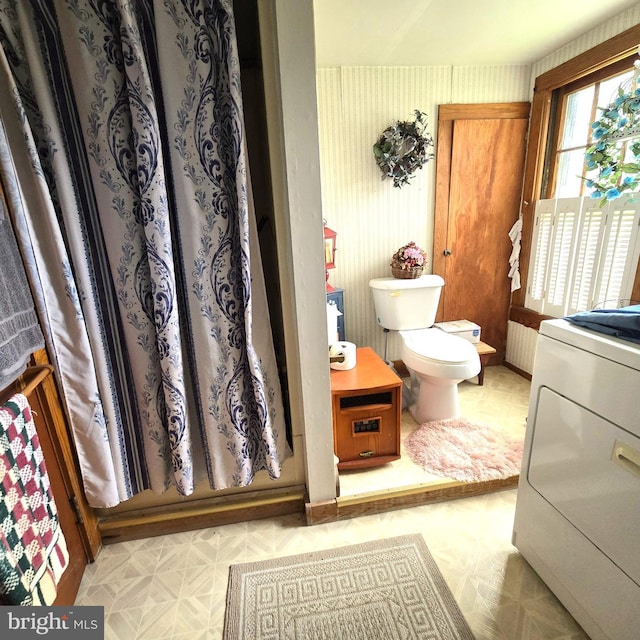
486, 111
635, 291
527, 317
517, 370
532, 184
401, 368
620, 46
379, 502
156, 521
320, 512
441, 201
62, 442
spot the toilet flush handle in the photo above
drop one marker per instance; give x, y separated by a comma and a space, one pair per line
447, 252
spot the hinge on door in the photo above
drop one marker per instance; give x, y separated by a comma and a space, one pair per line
73, 501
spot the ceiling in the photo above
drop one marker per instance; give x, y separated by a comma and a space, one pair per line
451, 32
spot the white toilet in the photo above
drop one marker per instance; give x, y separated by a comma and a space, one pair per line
436, 360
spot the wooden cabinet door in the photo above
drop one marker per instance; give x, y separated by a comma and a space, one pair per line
480, 163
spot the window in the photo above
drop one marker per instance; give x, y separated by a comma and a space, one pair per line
577, 254
579, 108
584, 255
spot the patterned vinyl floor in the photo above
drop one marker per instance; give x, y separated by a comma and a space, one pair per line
174, 586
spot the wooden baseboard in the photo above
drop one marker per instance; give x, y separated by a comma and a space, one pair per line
401, 368
378, 502
145, 523
520, 372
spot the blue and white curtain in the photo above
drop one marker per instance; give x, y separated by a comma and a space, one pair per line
122, 153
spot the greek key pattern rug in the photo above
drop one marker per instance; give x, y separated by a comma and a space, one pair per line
383, 589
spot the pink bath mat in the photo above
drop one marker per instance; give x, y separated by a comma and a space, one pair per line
465, 451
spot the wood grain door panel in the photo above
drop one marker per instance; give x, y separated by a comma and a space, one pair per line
479, 180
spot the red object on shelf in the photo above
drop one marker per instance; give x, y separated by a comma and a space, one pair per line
329, 253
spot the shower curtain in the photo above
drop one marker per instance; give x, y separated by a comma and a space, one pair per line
123, 156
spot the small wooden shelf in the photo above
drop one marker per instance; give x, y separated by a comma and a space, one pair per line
366, 406
484, 351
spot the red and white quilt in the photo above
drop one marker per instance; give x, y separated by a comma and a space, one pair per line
33, 552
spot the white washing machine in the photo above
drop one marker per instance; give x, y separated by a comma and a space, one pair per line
577, 519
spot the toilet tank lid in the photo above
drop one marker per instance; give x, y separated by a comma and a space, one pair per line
430, 280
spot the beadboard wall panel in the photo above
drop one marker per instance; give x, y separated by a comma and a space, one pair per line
486, 84
521, 346
371, 216
602, 32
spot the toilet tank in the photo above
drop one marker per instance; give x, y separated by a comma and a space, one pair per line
402, 305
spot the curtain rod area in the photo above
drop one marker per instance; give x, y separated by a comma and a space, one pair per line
27, 382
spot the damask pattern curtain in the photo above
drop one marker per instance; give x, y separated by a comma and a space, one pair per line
122, 149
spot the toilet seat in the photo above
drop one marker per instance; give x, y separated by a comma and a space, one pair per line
436, 345
436, 353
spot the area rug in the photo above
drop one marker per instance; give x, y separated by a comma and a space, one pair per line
465, 451
385, 589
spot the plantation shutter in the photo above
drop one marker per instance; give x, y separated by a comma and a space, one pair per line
583, 255
540, 243
619, 256
561, 253
589, 240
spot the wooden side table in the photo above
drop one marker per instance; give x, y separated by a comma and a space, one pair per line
484, 351
366, 406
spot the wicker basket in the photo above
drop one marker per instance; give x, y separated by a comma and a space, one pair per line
406, 274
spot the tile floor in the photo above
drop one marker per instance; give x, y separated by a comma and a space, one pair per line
174, 586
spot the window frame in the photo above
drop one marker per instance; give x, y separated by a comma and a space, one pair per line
603, 56
558, 112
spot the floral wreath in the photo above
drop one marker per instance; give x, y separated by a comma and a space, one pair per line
403, 148
620, 121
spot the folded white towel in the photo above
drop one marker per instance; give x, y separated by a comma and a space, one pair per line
515, 234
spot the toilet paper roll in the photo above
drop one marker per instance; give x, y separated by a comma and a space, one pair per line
332, 322
346, 351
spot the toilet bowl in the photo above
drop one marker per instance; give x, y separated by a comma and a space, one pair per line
436, 360
440, 362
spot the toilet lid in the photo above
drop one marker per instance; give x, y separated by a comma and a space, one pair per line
439, 346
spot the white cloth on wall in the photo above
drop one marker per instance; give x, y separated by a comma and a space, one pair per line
515, 234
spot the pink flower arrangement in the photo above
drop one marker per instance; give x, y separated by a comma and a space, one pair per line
409, 257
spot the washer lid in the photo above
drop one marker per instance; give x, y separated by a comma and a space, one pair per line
610, 347
438, 346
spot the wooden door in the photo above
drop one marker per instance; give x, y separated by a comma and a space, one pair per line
480, 162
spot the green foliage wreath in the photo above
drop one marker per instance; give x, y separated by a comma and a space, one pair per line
403, 148
620, 121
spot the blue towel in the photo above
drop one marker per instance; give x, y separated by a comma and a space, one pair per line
622, 323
